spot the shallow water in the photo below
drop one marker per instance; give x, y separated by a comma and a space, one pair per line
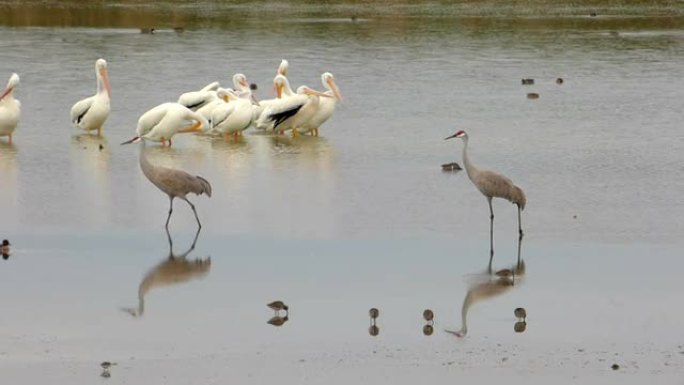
361, 216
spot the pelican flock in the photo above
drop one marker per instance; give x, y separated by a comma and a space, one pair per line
92, 112
210, 110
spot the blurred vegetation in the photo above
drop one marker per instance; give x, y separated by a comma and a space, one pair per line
473, 14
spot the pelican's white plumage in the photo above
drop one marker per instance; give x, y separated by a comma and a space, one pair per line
325, 108
283, 91
91, 113
232, 117
286, 113
10, 108
164, 121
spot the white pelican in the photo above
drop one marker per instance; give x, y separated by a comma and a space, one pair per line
282, 89
164, 121
242, 85
326, 106
283, 67
195, 100
232, 117
10, 108
216, 99
290, 112
91, 113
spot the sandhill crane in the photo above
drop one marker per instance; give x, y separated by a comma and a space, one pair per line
175, 183
492, 185
91, 113
174, 269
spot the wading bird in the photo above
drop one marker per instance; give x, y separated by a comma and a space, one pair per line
162, 122
175, 183
10, 108
289, 110
233, 117
91, 113
492, 185
326, 106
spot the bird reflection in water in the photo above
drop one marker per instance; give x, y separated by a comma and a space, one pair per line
173, 270
277, 307
278, 320
429, 317
373, 313
487, 286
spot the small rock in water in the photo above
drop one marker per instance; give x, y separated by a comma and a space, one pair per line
453, 166
533, 95
559, 81
615, 367
592, 14
101, 147
527, 81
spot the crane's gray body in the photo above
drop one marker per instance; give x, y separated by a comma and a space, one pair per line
175, 183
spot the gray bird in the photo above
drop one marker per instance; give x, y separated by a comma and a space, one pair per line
492, 185
175, 183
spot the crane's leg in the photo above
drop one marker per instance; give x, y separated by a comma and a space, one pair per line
168, 235
520, 232
519, 244
491, 232
169, 217
194, 211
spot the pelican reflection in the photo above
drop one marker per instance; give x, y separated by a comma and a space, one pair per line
8, 180
488, 285
172, 270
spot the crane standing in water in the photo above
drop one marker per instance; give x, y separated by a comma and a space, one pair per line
492, 185
175, 183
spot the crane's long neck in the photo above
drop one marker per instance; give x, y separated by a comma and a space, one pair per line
470, 168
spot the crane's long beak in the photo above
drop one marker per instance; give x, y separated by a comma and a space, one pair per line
134, 140
449, 137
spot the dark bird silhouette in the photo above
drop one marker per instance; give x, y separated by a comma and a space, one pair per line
278, 306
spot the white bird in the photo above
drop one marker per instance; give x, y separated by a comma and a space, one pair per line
10, 108
195, 100
220, 97
242, 85
283, 67
325, 108
232, 117
289, 112
164, 121
91, 113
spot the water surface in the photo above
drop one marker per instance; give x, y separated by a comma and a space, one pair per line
361, 216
